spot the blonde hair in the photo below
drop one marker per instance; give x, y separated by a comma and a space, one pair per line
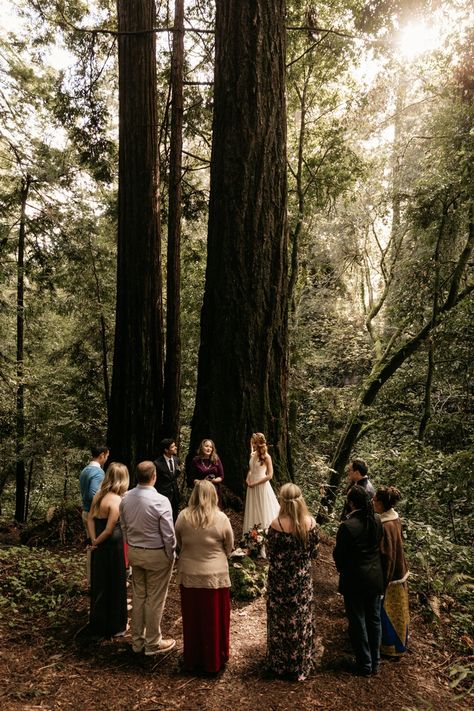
260, 446
200, 453
293, 506
202, 505
115, 481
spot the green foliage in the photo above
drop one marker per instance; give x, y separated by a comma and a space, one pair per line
443, 577
37, 583
247, 578
436, 486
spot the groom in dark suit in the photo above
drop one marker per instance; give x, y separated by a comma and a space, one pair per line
167, 472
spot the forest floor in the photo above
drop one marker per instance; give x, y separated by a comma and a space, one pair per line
53, 670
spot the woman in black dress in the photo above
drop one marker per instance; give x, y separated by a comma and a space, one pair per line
292, 541
108, 610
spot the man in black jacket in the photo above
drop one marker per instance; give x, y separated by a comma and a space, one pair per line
357, 475
357, 558
168, 470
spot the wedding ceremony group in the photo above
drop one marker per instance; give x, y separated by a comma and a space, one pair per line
141, 533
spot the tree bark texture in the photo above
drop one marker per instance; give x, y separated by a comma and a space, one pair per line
242, 372
137, 382
172, 384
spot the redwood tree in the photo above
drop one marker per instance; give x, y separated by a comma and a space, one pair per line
172, 382
137, 383
242, 372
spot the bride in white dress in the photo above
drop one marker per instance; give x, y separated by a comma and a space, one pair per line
261, 504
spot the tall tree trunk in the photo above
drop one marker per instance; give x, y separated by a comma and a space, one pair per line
20, 372
103, 329
172, 385
28, 487
137, 381
242, 372
396, 162
300, 192
426, 416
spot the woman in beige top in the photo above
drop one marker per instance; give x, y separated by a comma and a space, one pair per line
205, 539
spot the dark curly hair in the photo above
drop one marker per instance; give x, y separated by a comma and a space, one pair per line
388, 496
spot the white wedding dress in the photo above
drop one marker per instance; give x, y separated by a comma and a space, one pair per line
261, 504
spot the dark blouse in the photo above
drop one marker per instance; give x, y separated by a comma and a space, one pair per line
205, 469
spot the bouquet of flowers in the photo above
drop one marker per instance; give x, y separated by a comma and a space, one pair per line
253, 541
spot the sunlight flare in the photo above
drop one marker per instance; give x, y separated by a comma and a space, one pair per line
417, 38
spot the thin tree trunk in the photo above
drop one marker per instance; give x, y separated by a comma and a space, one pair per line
242, 372
103, 329
172, 382
434, 315
295, 235
137, 381
20, 373
426, 416
28, 487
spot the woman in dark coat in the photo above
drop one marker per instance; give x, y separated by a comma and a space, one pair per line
357, 558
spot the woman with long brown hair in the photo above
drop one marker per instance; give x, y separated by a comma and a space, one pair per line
291, 544
108, 609
206, 465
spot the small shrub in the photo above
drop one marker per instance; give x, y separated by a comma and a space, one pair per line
248, 580
37, 583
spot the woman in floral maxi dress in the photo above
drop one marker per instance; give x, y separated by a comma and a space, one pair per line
291, 544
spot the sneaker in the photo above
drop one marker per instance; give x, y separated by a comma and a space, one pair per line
166, 645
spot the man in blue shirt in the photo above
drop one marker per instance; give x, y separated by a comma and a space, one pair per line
89, 481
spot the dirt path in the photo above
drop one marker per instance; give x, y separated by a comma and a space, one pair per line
56, 672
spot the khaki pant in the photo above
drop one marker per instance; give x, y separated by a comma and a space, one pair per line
150, 579
85, 516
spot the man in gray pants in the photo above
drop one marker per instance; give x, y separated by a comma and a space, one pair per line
147, 524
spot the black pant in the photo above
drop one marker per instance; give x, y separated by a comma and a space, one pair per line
365, 631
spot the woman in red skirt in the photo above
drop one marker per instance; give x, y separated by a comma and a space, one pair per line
205, 539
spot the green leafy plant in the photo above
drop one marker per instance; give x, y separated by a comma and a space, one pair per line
248, 580
36, 584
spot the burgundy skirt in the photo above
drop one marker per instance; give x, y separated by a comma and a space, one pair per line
206, 624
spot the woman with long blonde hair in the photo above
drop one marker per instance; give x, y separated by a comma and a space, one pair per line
205, 540
261, 504
108, 609
292, 542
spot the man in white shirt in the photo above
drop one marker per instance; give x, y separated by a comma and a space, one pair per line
147, 525
168, 470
